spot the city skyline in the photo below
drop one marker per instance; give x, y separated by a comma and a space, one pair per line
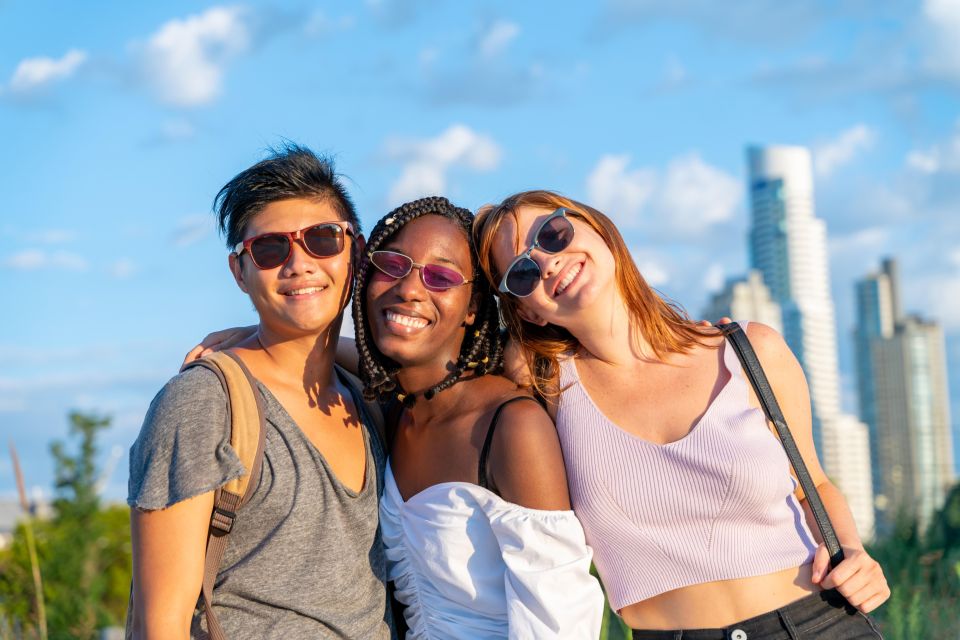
121, 123
901, 375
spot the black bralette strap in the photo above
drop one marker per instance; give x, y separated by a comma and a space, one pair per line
485, 452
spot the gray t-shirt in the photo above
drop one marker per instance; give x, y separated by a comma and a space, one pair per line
304, 558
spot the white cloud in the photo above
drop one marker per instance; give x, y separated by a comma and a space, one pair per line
943, 157
697, 195
620, 193
320, 24
653, 271
675, 75
869, 241
714, 278
122, 269
427, 161
497, 38
192, 229
50, 236
830, 155
942, 41
35, 259
34, 74
687, 198
184, 60
177, 129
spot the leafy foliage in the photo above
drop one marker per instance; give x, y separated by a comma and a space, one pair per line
84, 550
924, 577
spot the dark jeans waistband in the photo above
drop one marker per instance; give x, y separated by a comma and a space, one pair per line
784, 622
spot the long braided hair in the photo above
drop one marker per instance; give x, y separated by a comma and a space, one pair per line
482, 348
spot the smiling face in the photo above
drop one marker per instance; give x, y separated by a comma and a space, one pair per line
414, 325
305, 295
571, 281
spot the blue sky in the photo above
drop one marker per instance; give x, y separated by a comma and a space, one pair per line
121, 121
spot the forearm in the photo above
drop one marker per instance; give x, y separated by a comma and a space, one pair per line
160, 623
840, 516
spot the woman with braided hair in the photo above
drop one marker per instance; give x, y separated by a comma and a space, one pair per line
475, 515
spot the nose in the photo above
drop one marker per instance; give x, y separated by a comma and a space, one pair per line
410, 286
300, 262
549, 263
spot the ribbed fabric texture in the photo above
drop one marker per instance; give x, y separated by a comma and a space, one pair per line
717, 504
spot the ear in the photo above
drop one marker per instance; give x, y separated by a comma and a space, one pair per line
237, 270
531, 317
471, 316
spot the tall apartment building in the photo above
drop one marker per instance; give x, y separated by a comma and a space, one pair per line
745, 299
902, 380
788, 245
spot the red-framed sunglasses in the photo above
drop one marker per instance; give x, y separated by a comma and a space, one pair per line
271, 250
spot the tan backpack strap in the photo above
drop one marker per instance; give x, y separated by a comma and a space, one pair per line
247, 436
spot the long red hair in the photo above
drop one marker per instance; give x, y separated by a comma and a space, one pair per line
664, 326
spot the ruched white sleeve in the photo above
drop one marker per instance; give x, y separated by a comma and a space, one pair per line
550, 592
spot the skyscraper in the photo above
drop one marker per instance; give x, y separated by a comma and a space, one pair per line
788, 245
745, 299
902, 379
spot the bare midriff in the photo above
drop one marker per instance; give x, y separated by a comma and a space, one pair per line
720, 604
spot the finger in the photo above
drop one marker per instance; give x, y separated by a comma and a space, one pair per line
193, 354
857, 588
840, 574
218, 337
820, 565
725, 320
875, 601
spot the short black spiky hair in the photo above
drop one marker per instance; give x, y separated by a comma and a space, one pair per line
290, 171
482, 348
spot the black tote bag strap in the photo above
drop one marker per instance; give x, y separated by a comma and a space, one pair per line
751, 367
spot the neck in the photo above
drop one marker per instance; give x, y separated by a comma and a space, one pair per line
450, 400
307, 358
418, 378
609, 334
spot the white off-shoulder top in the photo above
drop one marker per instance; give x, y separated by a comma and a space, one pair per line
470, 565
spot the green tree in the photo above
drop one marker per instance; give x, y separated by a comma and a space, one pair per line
924, 576
84, 548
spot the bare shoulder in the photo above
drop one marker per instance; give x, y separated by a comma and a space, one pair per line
524, 425
525, 459
770, 347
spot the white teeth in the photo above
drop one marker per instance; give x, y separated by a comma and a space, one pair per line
573, 273
407, 321
303, 292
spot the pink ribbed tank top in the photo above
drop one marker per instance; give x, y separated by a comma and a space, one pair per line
717, 504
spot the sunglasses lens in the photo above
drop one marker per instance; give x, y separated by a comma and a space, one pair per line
395, 265
437, 277
556, 235
523, 277
270, 251
324, 240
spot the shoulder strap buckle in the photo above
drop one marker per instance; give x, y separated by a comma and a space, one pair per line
221, 520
